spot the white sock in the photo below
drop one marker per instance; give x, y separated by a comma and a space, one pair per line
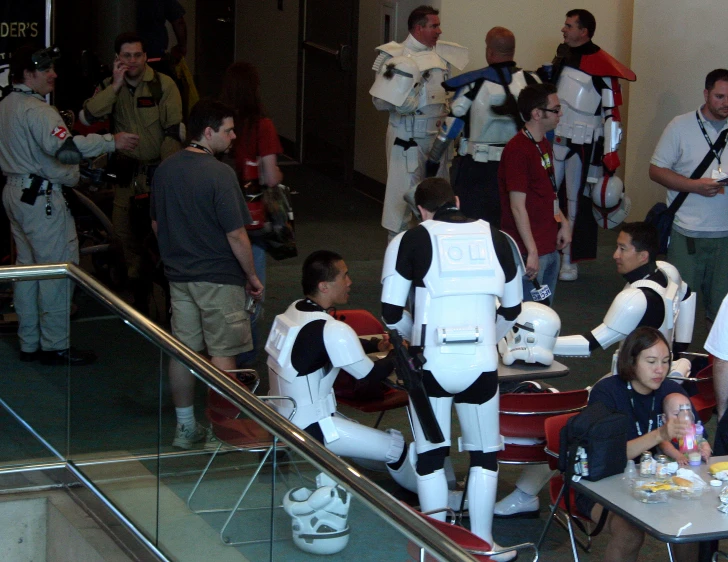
186, 416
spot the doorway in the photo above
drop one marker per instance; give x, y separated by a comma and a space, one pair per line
327, 86
214, 44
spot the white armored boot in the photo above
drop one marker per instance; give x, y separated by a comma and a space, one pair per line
482, 488
433, 493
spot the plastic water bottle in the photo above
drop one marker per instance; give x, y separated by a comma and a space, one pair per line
630, 474
699, 431
687, 442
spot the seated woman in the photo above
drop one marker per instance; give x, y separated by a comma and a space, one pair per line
638, 390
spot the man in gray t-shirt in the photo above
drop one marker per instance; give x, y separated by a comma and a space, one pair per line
199, 216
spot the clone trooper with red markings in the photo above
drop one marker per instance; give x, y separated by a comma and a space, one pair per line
589, 132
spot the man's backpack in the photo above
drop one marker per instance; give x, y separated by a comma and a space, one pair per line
602, 433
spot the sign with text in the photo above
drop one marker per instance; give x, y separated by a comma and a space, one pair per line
21, 22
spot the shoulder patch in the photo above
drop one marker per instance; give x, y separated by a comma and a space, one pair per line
60, 132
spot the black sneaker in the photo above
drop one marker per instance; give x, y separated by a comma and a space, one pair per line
29, 356
76, 357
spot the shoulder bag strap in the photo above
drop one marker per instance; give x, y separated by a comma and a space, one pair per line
699, 171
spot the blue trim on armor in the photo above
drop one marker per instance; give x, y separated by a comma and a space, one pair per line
487, 73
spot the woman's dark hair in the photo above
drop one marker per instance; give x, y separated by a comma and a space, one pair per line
241, 90
640, 339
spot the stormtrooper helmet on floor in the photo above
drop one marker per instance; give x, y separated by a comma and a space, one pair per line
319, 517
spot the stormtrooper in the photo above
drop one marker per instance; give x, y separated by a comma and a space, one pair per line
485, 103
408, 85
306, 349
589, 132
655, 296
532, 337
457, 268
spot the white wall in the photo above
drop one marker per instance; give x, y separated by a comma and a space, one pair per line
268, 38
674, 46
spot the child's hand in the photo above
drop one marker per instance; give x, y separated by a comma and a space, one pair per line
705, 450
682, 460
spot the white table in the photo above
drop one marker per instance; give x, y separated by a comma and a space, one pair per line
664, 521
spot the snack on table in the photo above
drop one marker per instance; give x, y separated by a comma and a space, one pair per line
718, 467
657, 486
682, 482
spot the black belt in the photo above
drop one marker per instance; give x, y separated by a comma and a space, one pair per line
405, 144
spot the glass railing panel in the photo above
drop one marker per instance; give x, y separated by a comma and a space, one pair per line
115, 411
37, 393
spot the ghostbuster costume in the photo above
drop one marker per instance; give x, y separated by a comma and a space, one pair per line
485, 100
152, 110
457, 268
39, 156
655, 296
417, 105
586, 140
306, 349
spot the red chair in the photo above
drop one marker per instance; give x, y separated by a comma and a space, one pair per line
235, 433
558, 511
523, 416
364, 323
704, 401
469, 542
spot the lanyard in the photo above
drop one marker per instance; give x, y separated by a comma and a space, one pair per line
544, 158
634, 413
200, 147
710, 144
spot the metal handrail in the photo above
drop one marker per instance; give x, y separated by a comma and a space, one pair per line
388, 507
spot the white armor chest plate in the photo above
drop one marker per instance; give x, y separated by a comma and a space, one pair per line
434, 72
580, 101
486, 126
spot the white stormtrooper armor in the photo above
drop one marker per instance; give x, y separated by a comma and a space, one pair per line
588, 115
412, 128
532, 337
319, 517
455, 323
488, 131
610, 204
314, 394
628, 309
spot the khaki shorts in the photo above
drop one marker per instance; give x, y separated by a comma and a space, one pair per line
212, 315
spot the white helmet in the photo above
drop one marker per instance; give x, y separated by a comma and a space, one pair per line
610, 204
396, 79
319, 517
533, 336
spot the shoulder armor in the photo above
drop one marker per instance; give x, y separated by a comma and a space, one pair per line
342, 344
603, 64
392, 48
626, 311
427, 60
455, 54
466, 78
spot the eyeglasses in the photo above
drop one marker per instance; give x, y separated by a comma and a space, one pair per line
555, 110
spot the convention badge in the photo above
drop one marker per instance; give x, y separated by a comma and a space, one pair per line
540, 294
557, 211
721, 177
328, 428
